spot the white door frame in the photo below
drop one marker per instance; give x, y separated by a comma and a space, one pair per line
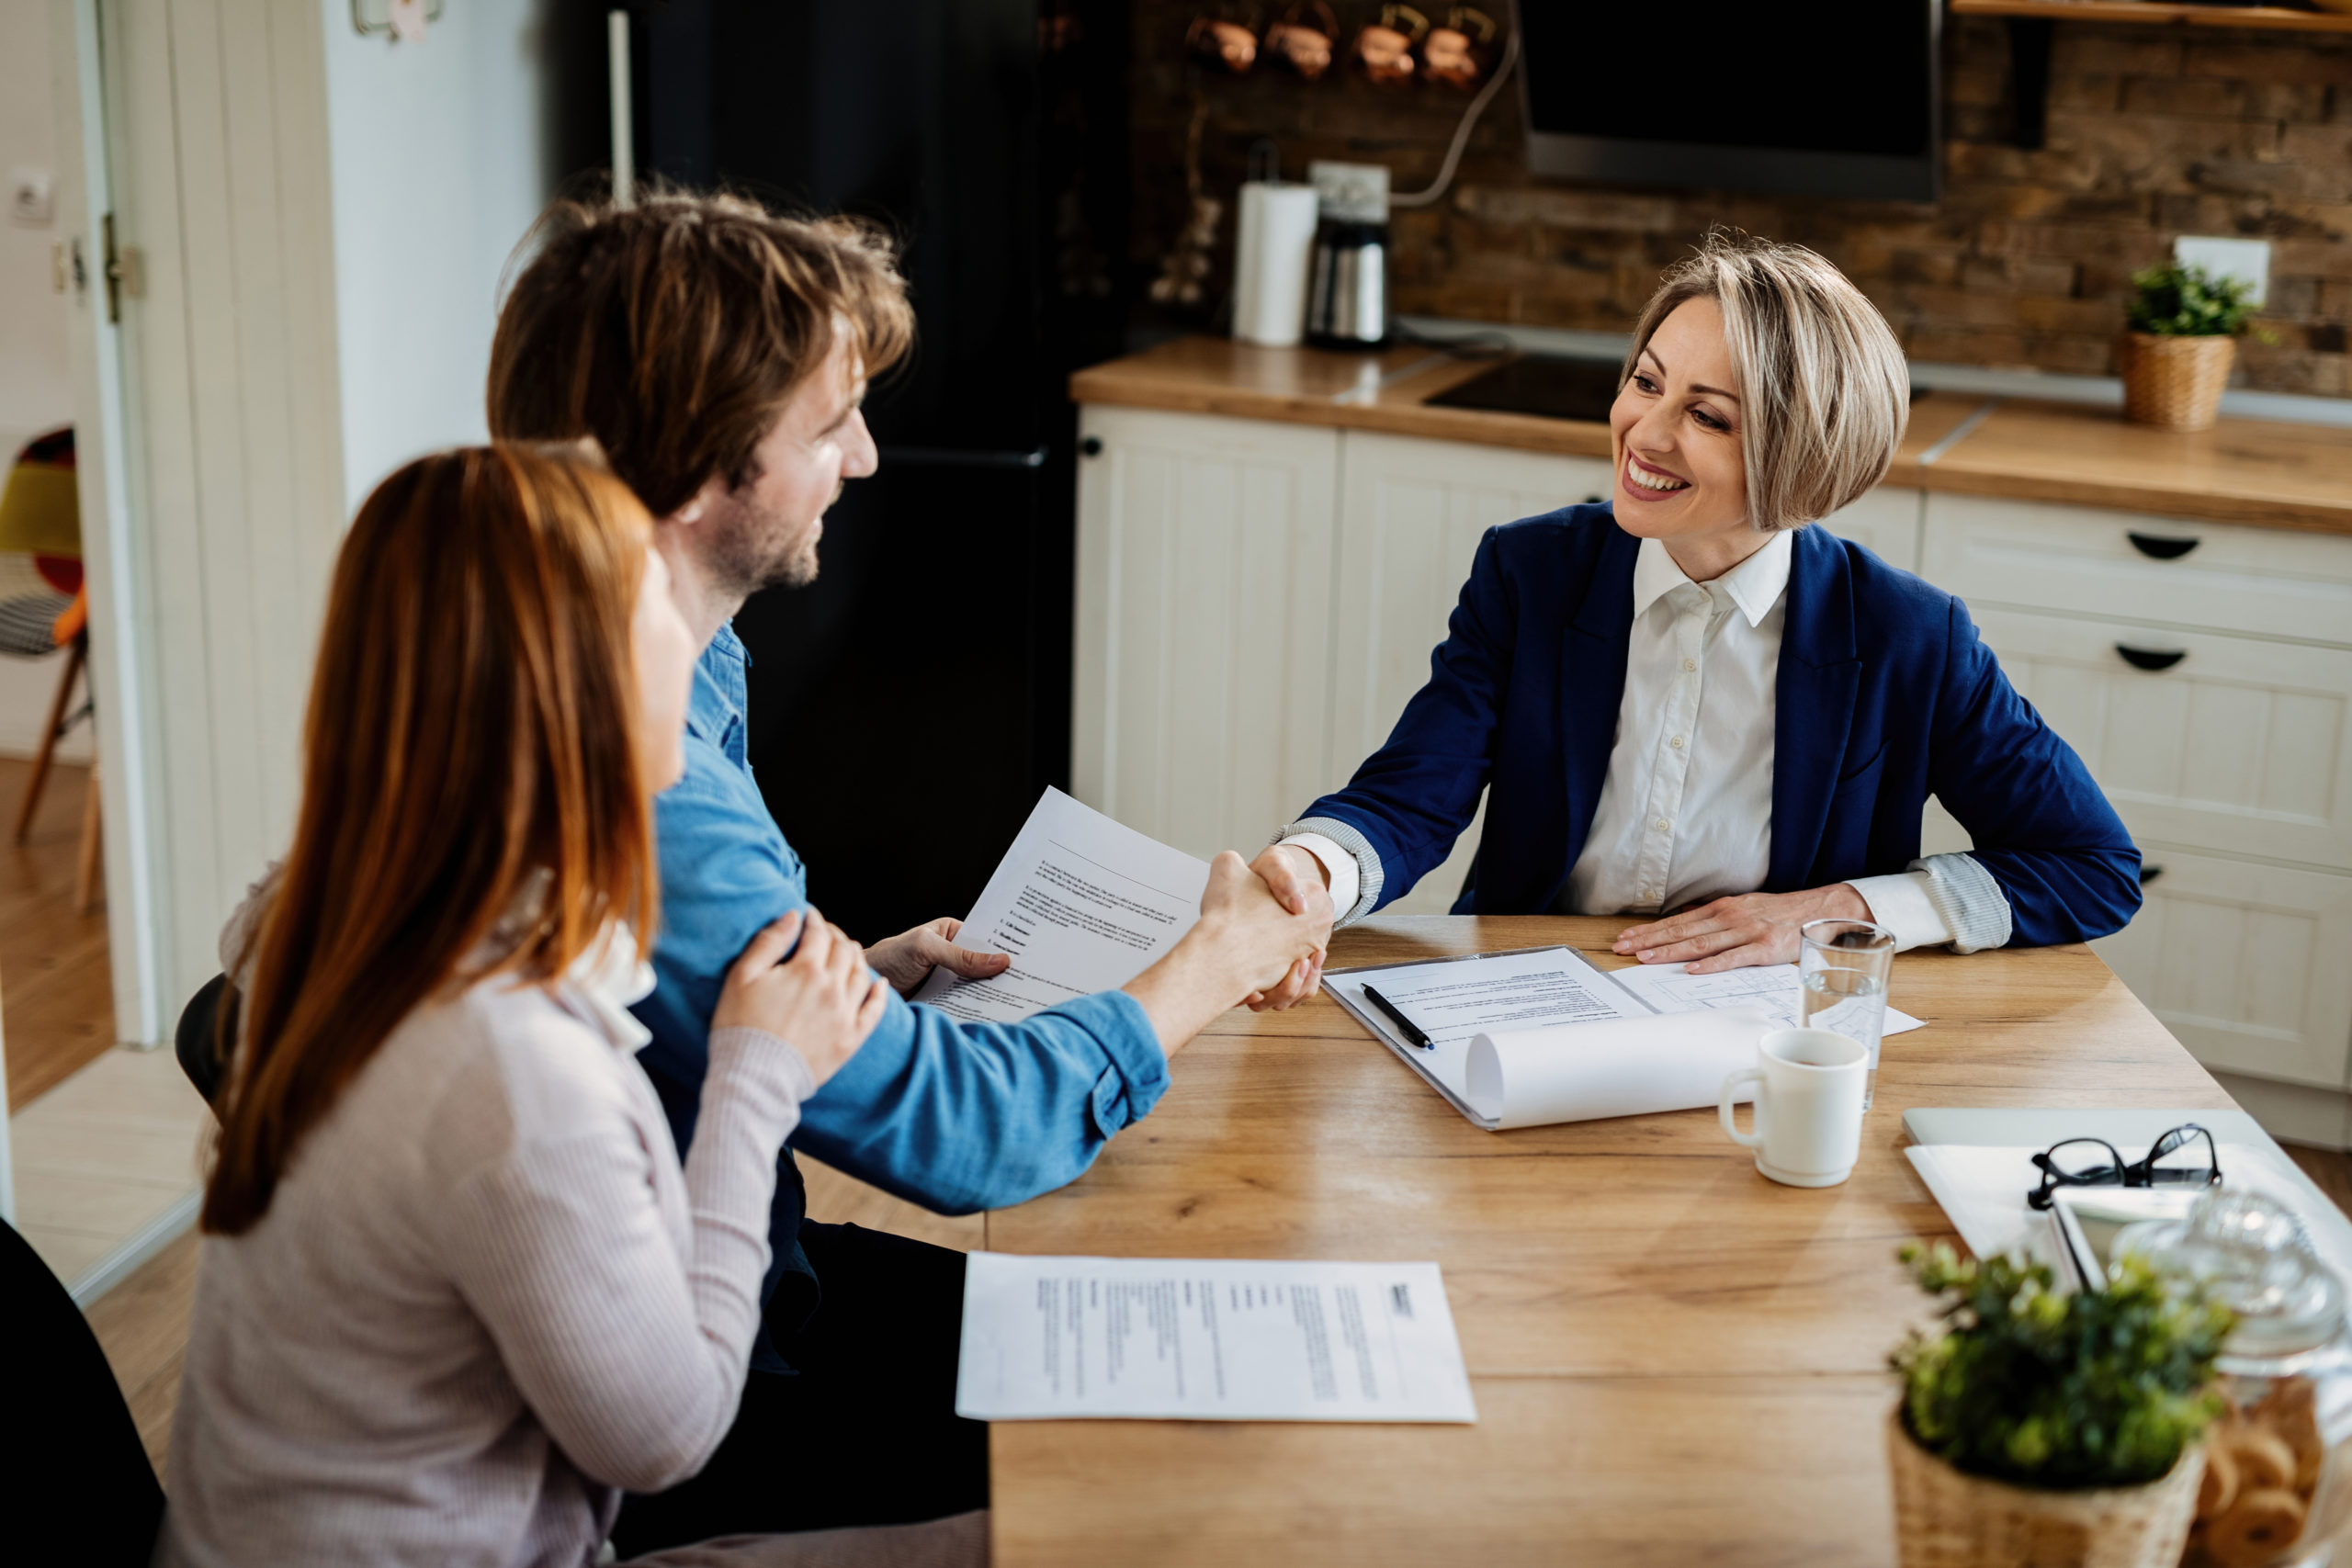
119, 657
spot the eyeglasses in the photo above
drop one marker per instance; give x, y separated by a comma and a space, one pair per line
2093, 1162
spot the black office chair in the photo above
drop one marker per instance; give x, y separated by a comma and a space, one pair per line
80, 1489
197, 1040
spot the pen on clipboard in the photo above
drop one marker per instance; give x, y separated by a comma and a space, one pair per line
1412, 1031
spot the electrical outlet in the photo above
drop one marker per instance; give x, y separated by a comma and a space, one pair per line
2247, 259
1352, 193
30, 205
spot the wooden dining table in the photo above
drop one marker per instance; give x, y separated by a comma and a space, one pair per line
1675, 1359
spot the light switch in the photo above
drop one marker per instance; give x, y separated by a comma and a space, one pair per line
2247, 259
29, 205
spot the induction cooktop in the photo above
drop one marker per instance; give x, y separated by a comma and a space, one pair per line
1551, 386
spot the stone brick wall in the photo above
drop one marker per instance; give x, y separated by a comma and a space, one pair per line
2024, 262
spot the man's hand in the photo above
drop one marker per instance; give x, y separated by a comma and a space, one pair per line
907, 960
1745, 929
1300, 884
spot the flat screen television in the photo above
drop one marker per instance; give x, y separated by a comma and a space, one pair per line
1836, 97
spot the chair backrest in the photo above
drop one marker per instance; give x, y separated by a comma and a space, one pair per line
197, 1040
80, 1489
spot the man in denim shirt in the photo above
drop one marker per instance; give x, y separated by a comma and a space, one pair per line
674, 332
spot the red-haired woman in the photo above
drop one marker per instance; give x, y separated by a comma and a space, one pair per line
457, 1290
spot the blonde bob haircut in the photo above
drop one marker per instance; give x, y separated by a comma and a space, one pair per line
1824, 390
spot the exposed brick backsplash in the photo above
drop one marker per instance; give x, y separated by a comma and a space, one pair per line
2024, 262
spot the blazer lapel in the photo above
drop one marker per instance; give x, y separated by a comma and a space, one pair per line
1820, 673
1592, 682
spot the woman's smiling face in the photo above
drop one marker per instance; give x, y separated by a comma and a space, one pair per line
1674, 431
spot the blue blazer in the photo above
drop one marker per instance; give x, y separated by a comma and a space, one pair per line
1885, 697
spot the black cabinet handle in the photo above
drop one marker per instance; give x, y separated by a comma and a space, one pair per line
1594, 500
2149, 873
1091, 447
2150, 657
2161, 546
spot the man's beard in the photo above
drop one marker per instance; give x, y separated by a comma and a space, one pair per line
747, 553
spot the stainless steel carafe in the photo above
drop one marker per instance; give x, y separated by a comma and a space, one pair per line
1347, 288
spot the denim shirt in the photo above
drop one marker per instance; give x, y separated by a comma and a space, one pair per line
957, 1117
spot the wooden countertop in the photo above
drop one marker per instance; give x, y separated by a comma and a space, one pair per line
2261, 472
1675, 1360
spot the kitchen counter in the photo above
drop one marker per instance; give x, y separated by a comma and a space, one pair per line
2260, 472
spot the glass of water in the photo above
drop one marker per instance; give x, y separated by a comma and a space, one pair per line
1842, 971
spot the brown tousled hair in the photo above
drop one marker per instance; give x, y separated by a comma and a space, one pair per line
471, 740
675, 331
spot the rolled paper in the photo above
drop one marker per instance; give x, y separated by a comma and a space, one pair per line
1619, 1067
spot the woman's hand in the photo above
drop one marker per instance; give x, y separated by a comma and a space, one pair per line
1745, 929
822, 1003
1297, 880
1272, 939
907, 960
1245, 943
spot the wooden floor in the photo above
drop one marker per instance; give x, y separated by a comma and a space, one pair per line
56, 995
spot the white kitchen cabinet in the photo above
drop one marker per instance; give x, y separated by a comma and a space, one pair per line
1886, 522
2242, 744
2082, 560
2245, 961
1411, 515
1201, 702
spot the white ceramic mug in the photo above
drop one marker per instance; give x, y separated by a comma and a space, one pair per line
1808, 1106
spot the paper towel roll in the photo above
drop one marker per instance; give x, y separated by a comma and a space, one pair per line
1628, 1066
1270, 263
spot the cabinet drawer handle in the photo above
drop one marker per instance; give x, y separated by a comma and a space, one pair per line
2149, 873
2161, 546
1091, 447
2150, 657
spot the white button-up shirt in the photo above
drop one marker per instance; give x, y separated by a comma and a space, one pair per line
1685, 814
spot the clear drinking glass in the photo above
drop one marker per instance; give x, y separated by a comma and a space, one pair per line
1842, 970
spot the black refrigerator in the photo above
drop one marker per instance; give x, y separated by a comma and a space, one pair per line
909, 706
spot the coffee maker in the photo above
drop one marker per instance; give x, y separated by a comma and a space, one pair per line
1347, 276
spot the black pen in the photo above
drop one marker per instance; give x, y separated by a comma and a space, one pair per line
1412, 1031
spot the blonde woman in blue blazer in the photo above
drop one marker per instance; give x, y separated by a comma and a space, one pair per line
1688, 707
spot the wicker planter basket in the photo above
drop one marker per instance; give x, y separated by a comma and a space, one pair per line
2175, 383
1945, 1519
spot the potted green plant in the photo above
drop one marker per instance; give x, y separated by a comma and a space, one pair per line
2183, 339
2058, 1430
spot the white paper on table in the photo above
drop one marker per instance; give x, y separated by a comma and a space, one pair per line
1453, 1000
1983, 1190
1214, 1339
1082, 903
1773, 988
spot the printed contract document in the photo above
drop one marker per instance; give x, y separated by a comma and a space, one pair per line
1207, 1339
1083, 904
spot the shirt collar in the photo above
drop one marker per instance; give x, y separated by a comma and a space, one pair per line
1754, 585
717, 699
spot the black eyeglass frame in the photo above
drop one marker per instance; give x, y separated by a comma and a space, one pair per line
2142, 1172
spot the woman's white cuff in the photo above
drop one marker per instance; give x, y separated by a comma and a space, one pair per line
1354, 891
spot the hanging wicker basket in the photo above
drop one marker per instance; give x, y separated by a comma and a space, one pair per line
2175, 383
1945, 1520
